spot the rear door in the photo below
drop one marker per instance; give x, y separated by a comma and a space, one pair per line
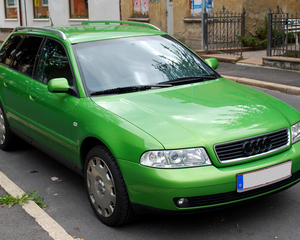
18, 61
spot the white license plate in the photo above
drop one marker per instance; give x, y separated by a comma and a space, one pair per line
265, 176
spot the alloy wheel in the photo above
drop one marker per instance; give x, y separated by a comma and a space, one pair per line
101, 187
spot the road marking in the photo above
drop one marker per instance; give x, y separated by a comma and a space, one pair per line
41, 217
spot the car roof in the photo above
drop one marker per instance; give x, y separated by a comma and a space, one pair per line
95, 30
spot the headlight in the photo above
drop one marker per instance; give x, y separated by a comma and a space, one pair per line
179, 158
296, 132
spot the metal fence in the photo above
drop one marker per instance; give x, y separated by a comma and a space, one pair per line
223, 32
283, 34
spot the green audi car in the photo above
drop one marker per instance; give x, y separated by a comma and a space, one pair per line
150, 126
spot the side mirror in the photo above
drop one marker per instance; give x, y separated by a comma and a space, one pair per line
58, 85
212, 62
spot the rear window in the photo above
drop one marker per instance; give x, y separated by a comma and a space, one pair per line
8, 50
26, 55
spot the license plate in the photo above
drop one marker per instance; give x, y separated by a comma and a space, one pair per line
265, 176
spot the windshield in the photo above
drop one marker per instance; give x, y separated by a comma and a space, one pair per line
125, 62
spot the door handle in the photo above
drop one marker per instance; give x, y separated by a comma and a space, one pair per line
32, 98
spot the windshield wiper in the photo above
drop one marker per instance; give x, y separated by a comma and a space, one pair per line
184, 80
130, 89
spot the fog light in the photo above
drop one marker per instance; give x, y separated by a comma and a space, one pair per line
182, 202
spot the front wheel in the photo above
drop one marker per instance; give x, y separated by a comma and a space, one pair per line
106, 188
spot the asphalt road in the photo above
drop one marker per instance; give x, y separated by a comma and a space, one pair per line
285, 77
273, 217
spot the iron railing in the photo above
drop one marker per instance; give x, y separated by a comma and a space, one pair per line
283, 34
223, 32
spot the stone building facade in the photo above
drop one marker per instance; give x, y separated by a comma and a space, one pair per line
186, 24
257, 10
180, 18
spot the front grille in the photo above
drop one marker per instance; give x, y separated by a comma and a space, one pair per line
262, 144
233, 196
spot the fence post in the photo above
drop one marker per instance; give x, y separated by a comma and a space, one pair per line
242, 30
287, 34
269, 37
204, 32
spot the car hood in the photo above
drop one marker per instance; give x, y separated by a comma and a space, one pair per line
201, 114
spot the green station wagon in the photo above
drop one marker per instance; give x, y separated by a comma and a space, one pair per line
151, 126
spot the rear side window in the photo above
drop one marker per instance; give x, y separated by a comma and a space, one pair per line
54, 63
26, 55
9, 48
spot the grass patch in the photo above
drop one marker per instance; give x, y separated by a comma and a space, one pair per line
24, 199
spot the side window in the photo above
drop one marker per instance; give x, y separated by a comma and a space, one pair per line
8, 50
26, 55
54, 63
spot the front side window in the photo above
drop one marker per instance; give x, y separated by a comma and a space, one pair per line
26, 55
11, 10
136, 61
9, 49
40, 9
54, 63
79, 9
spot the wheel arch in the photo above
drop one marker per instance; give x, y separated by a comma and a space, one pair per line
87, 145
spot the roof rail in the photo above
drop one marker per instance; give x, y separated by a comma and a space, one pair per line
124, 22
59, 33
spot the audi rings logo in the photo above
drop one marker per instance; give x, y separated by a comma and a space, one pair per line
257, 146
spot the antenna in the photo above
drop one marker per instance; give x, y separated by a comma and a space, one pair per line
50, 18
51, 21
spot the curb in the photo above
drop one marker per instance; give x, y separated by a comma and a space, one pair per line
269, 85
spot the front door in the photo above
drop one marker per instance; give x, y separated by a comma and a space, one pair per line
50, 114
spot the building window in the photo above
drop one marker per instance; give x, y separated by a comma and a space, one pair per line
141, 7
41, 9
11, 9
79, 9
45, 3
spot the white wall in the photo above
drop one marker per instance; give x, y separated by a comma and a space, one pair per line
59, 12
7, 23
104, 10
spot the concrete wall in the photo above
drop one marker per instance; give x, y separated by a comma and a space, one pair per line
157, 14
186, 28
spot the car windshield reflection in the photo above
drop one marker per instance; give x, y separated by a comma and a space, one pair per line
126, 62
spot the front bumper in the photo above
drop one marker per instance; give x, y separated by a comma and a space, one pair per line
204, 187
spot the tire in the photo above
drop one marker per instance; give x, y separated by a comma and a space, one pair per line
106, 188
6, 135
